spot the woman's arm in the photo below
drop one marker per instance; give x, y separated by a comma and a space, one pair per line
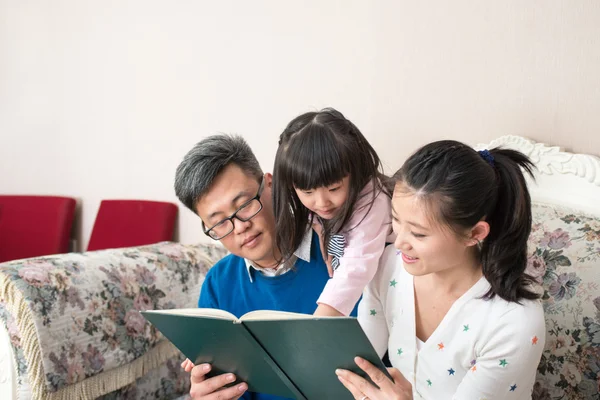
371, 309
509, 356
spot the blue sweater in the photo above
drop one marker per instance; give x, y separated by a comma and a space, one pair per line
228, 287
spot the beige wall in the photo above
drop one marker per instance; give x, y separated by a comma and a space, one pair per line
102, 99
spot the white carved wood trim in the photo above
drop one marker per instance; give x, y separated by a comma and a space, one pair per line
551, 159
562, 178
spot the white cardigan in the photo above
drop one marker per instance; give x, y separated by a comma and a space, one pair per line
482, 349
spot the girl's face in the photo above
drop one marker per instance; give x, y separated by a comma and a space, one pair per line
326, 202
427, 246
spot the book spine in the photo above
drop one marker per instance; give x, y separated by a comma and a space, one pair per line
282, 375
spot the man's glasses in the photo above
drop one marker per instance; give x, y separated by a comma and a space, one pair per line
246, 212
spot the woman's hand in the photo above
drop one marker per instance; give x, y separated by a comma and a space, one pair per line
361, 389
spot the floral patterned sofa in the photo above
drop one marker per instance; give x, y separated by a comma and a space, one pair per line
70, 326
564, 256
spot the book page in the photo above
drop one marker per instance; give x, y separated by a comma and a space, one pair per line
197, 312
270, 315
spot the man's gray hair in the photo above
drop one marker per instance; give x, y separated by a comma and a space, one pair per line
201, 165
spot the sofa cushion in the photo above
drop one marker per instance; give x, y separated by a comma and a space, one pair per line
564, 255
77, 314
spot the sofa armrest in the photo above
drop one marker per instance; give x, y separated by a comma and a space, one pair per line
78, 314
14, 383
8, 373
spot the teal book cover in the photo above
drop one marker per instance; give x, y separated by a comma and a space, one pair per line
280, 353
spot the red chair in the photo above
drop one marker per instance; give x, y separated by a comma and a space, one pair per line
127, 223
32, 226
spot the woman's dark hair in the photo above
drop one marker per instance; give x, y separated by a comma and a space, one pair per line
319, 149
462, 187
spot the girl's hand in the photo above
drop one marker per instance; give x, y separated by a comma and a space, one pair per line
361, 389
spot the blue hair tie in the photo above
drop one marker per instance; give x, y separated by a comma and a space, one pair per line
485, 154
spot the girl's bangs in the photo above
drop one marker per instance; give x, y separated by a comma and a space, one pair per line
314, 160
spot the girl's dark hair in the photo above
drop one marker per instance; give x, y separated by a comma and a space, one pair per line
463, 187
319, 149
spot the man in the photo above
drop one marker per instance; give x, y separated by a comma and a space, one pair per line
221, 181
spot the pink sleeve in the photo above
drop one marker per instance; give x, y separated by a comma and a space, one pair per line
364, 246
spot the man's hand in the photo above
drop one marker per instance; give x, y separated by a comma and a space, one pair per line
212, 388
187, 365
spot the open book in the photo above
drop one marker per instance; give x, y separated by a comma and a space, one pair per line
280, 353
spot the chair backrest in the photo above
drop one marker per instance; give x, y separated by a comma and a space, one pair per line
126, 223
32, 226
564, 256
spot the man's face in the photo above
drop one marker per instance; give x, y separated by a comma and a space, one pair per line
253, 239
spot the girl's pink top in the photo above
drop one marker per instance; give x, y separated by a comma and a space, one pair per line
366, 234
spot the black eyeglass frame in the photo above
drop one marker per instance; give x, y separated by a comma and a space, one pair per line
235, 216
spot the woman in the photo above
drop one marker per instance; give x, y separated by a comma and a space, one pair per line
453, 305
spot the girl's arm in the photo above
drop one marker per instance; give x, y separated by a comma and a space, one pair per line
323, 310
508, 359
364, 245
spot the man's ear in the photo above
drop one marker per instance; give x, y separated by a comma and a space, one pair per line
478, 233
268, 180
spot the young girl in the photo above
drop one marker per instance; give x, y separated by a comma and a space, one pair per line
453, 305
326, 174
